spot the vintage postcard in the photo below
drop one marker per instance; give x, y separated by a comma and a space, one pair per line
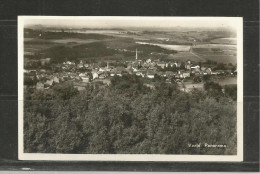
130, 88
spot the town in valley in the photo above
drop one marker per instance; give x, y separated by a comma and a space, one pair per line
189, 70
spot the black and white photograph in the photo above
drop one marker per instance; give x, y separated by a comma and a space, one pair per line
130, 88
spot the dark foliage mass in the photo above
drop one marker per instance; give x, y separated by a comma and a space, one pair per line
231, 91
128, 117
63, 53
63, 35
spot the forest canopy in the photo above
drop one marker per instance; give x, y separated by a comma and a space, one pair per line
129, 118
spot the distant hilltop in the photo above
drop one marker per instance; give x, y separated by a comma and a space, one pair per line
139, 28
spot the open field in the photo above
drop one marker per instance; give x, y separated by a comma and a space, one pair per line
221, 59
63, 35
72, 40
231, 41
226, 81
120, 43
169, 47
184, 56
221, 53
174, 45
33, 46
216, 46
73, 48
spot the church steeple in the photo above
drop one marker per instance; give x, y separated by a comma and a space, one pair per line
136, 54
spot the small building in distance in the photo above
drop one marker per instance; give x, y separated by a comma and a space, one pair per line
39, 86
85, 79
45, 61
161, 64
56, 79
94, 74
49, 82
150, 74
170, 74
186, 74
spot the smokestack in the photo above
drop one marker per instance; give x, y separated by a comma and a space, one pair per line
136, 54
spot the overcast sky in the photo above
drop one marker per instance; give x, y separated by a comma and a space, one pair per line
123, 22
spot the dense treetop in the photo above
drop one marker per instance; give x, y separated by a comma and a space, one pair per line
128, 117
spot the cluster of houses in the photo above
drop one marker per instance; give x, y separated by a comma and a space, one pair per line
83, 73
